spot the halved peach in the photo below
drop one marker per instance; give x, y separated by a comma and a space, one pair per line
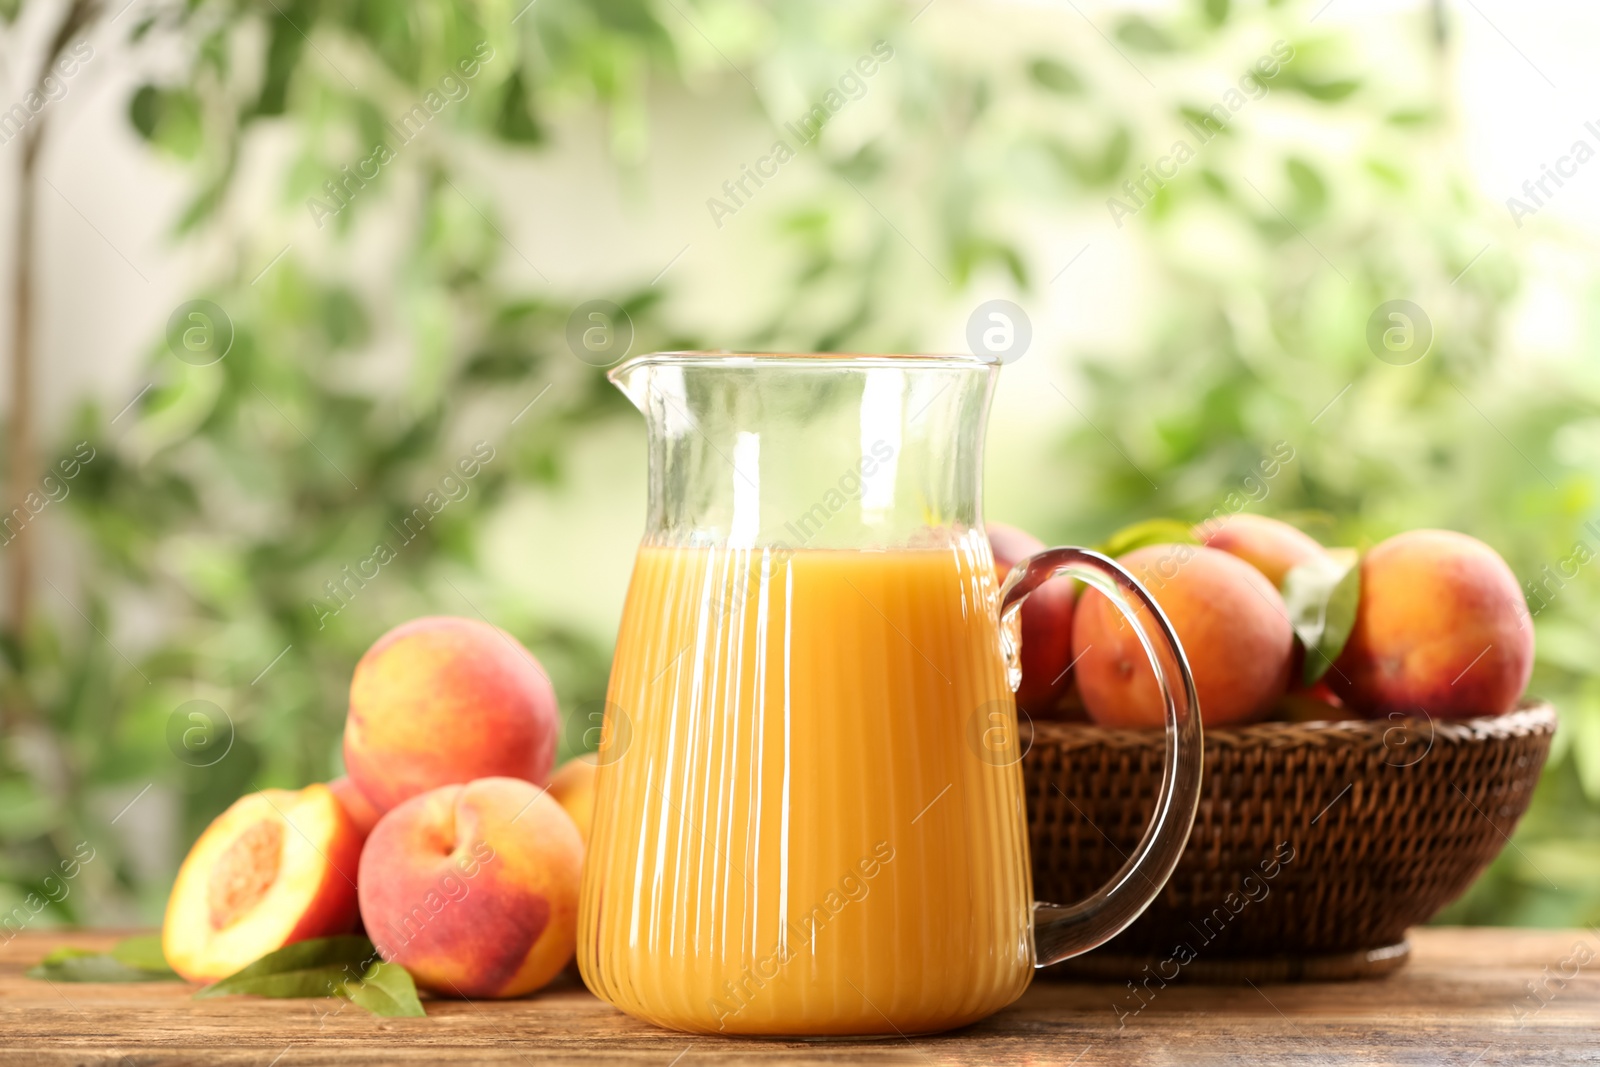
277, 867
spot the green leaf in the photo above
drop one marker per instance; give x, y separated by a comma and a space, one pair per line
302, 969
1140, 33
1056, 76
515, 121
1321, 595
1310, 190
1390, 175
1092, 167
1328, 92
66, 952
143, 952
91, 967
168, 119
144, 110
1216, 11
283, 57
346, 967
132, 960
205, 203
1118, 147
385, 989
344, 319
1413, 116
1148, 532
302, 983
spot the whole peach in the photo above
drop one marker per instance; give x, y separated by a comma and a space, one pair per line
474, 888
1046, 626
1441, 629
1270, 546
1301, 707
573, 787
356, 805
1231, 622
442, 700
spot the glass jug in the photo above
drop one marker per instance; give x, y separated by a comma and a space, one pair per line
809, 816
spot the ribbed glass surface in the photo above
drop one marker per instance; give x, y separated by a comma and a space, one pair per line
800, 828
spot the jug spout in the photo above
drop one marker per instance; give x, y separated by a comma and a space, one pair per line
633, 380
811, 451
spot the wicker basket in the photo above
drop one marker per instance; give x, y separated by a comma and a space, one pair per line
1315, 847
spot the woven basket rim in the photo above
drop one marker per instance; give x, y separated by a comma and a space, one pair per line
1530, 717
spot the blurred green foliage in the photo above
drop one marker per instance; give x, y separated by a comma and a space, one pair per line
223, 504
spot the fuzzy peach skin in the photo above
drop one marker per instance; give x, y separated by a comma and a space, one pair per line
1046, 626
1441, 630
1272, 547
1231, 622
573, 787
442, 700
362, 813
277, 867
474, 888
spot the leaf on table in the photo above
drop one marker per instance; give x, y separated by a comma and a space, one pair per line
347, 967
135, 959
66, 953
143, 952
1322, 595
301, 983
1148, 532
385, 989
91, 967
303, 969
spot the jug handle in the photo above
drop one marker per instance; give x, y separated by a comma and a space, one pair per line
1063, 931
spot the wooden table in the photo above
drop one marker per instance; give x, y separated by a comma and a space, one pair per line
1462, 1000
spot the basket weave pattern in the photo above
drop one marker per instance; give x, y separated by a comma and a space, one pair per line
1388, 821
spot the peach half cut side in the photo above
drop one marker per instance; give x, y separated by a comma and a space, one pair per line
277, 867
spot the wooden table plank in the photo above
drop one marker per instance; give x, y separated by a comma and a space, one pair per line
1463, 1000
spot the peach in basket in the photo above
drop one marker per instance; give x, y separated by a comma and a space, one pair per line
1315, 847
